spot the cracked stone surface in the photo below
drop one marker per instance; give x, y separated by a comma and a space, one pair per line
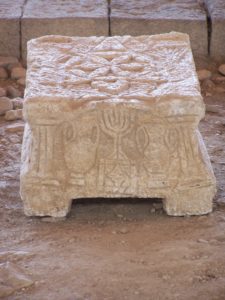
154, 17
71, 18
113, 117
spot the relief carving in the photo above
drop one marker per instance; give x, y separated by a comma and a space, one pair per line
114, 117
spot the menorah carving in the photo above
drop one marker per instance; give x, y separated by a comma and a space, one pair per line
117, 123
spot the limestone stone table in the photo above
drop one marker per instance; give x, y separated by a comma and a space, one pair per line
113, 117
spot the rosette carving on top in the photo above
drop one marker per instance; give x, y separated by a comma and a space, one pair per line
140, 68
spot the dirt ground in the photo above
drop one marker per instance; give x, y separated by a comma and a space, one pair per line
115, 249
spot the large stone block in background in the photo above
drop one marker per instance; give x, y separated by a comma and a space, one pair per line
216, 10
71, 18
113, 117
10, 14
153, 17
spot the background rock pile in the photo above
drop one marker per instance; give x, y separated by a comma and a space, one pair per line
12, 84
212, 81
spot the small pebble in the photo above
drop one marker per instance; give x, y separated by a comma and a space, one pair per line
124, 230
119, 216
203, 241
5, 105
221, 69
3, 73
165, 277
72, 240
204, 74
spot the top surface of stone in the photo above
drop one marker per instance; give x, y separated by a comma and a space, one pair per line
162, 9
65, 9
109, 68
216, 8
12, 9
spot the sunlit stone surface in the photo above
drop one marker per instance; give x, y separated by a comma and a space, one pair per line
114, 117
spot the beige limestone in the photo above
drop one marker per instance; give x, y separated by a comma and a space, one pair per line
113, 117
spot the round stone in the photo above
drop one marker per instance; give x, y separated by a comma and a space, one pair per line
222, 69
204, 74
18, 72
5, 105
12, 115
13, 92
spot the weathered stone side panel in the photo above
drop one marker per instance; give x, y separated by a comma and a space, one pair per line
154, 17
70, 18
10, 14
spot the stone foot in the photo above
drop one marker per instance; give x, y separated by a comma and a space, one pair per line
192, 201
45, 201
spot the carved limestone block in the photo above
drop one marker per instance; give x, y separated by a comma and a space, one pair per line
114, 117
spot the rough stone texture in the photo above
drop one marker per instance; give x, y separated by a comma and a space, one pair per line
113, 117
216, 9
13, 279
10, 14
153, 17
72, 18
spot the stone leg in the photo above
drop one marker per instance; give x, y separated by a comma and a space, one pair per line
41, 191
189, 201
45, 200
